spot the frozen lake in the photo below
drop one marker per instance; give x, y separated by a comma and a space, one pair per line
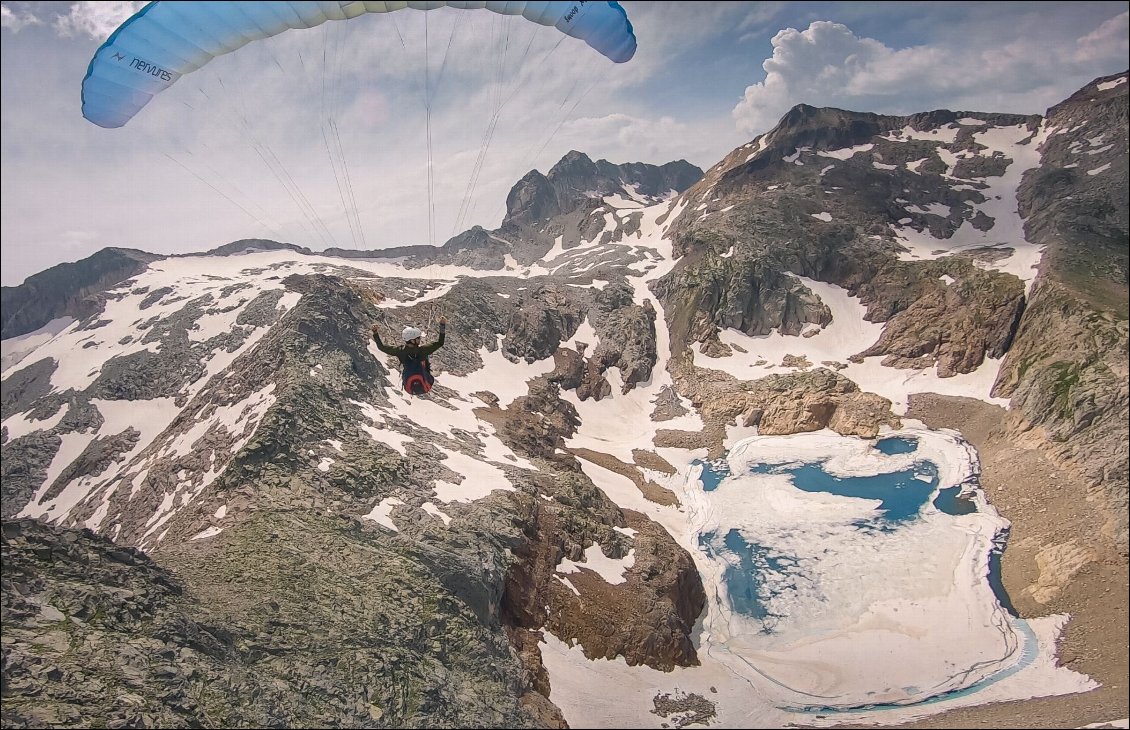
848, 581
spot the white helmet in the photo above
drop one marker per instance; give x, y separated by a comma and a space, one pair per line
411, 333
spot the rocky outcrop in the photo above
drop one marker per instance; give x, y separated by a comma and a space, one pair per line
646, 619
95, 459
67, 290
776, 404
538, 424
662, 594
251, 245
476, 248
532, 198
707, 292
796, 201
24, 387
93, 630
1067, 378
24, 468
543, 317
627, 341
82, 616
813, 128
541, 207
954, 326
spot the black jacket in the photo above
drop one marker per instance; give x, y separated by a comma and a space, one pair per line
411, 356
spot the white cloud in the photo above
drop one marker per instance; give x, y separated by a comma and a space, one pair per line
96, 20
14, 19
829, 65
1108, 40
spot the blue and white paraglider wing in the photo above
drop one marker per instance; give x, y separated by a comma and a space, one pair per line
166, 40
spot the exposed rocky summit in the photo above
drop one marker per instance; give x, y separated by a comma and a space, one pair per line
568, 201
383, 626
97, 632
768, 214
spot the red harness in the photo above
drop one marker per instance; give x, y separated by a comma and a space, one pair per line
417, 385
419, 382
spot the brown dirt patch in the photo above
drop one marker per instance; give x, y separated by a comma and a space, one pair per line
652, 491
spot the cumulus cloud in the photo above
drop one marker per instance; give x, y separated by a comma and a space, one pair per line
95, 19
827, 64
16, 19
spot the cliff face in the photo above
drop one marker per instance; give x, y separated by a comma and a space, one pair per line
1066, 373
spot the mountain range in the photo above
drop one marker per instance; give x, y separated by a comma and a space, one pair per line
219, 508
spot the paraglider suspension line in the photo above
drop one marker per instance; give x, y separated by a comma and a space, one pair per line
428, 125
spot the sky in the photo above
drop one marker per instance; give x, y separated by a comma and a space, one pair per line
319, 137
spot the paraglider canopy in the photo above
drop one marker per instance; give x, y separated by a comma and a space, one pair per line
166, 40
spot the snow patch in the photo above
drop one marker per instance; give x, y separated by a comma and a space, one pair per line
610, 569
382, 513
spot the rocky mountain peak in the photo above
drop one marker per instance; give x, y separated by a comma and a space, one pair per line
1104, 90
67, 290
573, 166
576, 179
249, 245
532, 198
816, 128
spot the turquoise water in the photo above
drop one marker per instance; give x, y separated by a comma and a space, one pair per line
749, 594
901, 493
755, 575
713, 472
892, 446
947, 502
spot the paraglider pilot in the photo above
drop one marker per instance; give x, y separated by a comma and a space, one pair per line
415, 368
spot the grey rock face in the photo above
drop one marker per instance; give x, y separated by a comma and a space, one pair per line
26, 386
96, 630
94, 460
67, 290
542, 207
954, 326
245, 245
784, 208
627, 341
24, 468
